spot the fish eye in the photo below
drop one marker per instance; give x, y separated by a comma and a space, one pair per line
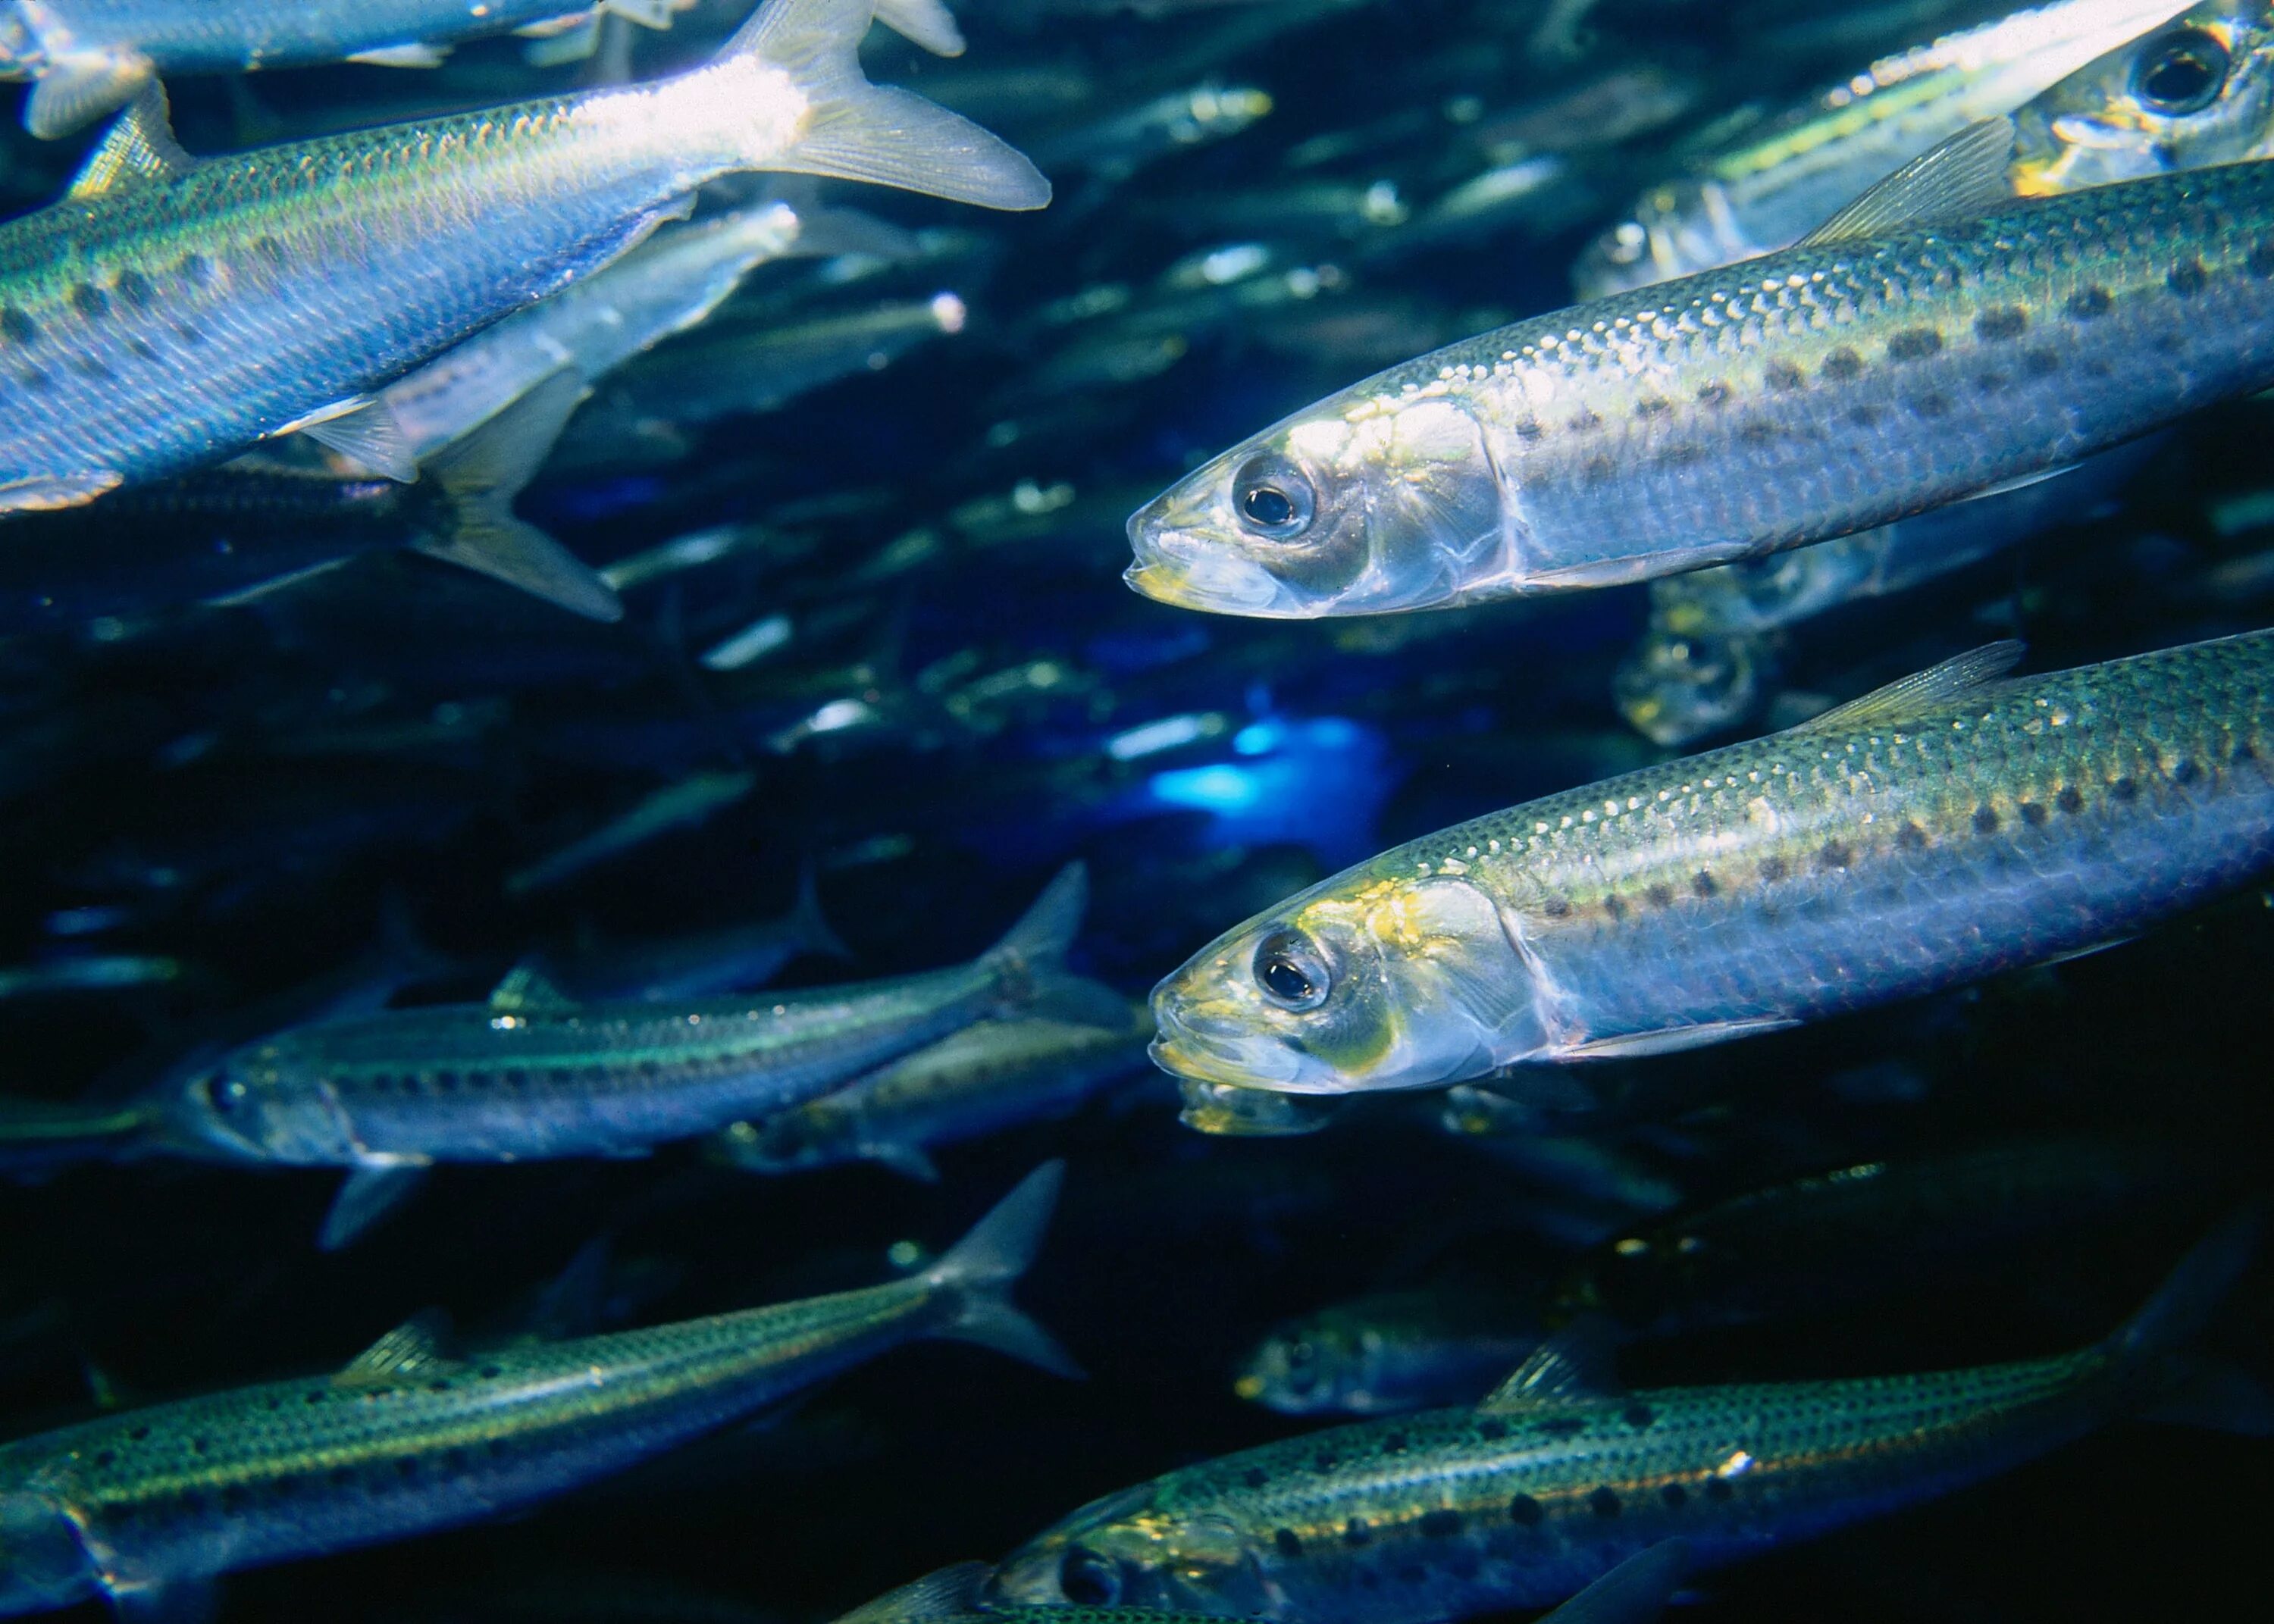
1290, 972
1088, 1580
2183, 73
1273, 499
229, 1095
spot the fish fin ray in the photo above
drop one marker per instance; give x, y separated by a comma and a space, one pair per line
177, 1601
80, 88
556, 47
1634, 1592
1576, 1363
858, 130
366, 1195
526, 987
1953, 181
364, 432
411, 1350
1675, 1039
908, 1161
481, 472
2191, 1293
1961, 676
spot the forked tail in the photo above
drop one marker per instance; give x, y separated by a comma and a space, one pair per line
982, 1267
857, 130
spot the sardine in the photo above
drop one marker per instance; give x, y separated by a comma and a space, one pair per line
1558, 1477
1389, 1352
169, 313
1936, 341
407, 1440
528, 1075
1946, 827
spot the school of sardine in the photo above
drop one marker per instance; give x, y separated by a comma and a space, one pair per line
1687, 717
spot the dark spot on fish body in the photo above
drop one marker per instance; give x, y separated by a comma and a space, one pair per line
1702, 884
341, 1477
1563, 1426
1584, 421
144, 350
1255, 1476
1528, 429
2034, 813
1614, 908
1649, 408
16, 326
1393, 1443
1525, 1512
193, 1502
1673, 1496
1931, 404
1915, 344
1757, 430
1985, 820
2124, 789
1639, 1416
1661, 895
2260, 262
271, 249
1911, 838
198, 1446
313, 1395
1597, 471
1325, 1462
2184, 772
36, 378
1717, 1490
1714, 394
140, 1433
1604, 1502
94, 366
406, 1466
1492, 1429
2241, 754
2089, 303
1356, 1534
1843, 365
1289, 1543
2069, 800
2041, 361
1784, 377
1997, 326
1556, 907
89, 300
1772, 869
1832, 855
136, 288
1443, 1523
235, 1497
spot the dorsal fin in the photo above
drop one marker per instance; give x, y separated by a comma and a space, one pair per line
139, 149
409, 1351
1963, 177
1956, 678
949, 1593
1576, 1362
525, 986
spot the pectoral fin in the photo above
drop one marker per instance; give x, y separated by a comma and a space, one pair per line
365, 1195
1576, 1363
411, 55
1674, 1040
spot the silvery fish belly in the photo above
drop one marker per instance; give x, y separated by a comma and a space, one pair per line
170, 311
1770, 188
1833, 386
1952, 825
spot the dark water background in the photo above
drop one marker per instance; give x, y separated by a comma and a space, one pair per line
216, 778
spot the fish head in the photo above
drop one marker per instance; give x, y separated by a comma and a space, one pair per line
1384, 498
44, 1563
239, 1107
2196, 92
1319, 1365
1367, 982
1128, 1550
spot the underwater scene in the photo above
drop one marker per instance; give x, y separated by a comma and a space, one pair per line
1124, 811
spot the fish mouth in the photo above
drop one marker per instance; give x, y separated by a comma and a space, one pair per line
1185, 1047
1186, 570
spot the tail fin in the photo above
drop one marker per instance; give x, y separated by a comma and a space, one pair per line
1032, 959
808, 926
984, 1264
2185, 1302
481, 473
856, 130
